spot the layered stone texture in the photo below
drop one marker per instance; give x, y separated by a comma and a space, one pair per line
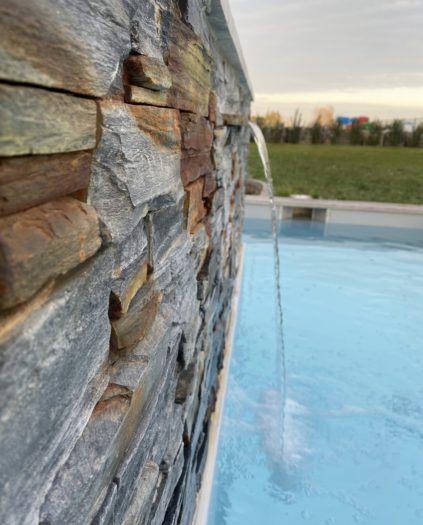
39, 121
123, 151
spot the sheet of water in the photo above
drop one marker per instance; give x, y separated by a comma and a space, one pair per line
279, 391
354, 412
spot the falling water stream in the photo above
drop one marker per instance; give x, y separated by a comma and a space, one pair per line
280, 359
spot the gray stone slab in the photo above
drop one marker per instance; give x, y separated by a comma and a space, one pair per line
144, 494
136, 167
163, 227
82, 484
150, 27
52, 373
164, 440
106, 514
156, 432
130, 270
173, 476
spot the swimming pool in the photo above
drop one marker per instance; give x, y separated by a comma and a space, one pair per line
353, 314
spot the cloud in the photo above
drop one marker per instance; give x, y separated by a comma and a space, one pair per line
405, 4
332, 45
397, 96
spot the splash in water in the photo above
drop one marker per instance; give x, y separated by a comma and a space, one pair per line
280, 365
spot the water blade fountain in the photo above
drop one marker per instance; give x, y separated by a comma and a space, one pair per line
280, 364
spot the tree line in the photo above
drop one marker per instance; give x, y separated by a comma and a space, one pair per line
325, 128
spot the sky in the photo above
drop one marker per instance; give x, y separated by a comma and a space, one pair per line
362, 57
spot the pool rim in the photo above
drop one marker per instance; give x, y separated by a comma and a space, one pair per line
205, 492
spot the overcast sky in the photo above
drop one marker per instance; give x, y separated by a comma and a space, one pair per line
361, 56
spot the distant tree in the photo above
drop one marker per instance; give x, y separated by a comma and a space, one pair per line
375, 133
396, 133
269, 120
325, 115
272, 119
274, 127
294, 132
356, 136
335, 131
417, 136
317, 132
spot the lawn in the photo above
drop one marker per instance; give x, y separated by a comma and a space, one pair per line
362, 173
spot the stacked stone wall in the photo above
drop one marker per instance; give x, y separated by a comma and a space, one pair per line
123, 147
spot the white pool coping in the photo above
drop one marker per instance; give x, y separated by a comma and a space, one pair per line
383, 214
205, 492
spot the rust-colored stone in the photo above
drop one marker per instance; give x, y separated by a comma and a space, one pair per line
114, 408
41, 243
196, 134
194, 167
113, 390
190, 69
194, 204
115, 397
119, 305
31, 180
136, 323
140, 95
148, 72
197, 140
209, 185
161, 124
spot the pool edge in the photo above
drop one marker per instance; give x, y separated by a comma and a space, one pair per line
205, 492
326, 211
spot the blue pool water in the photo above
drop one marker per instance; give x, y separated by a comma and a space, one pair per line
353, 313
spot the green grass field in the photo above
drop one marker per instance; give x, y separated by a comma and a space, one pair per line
344, 172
